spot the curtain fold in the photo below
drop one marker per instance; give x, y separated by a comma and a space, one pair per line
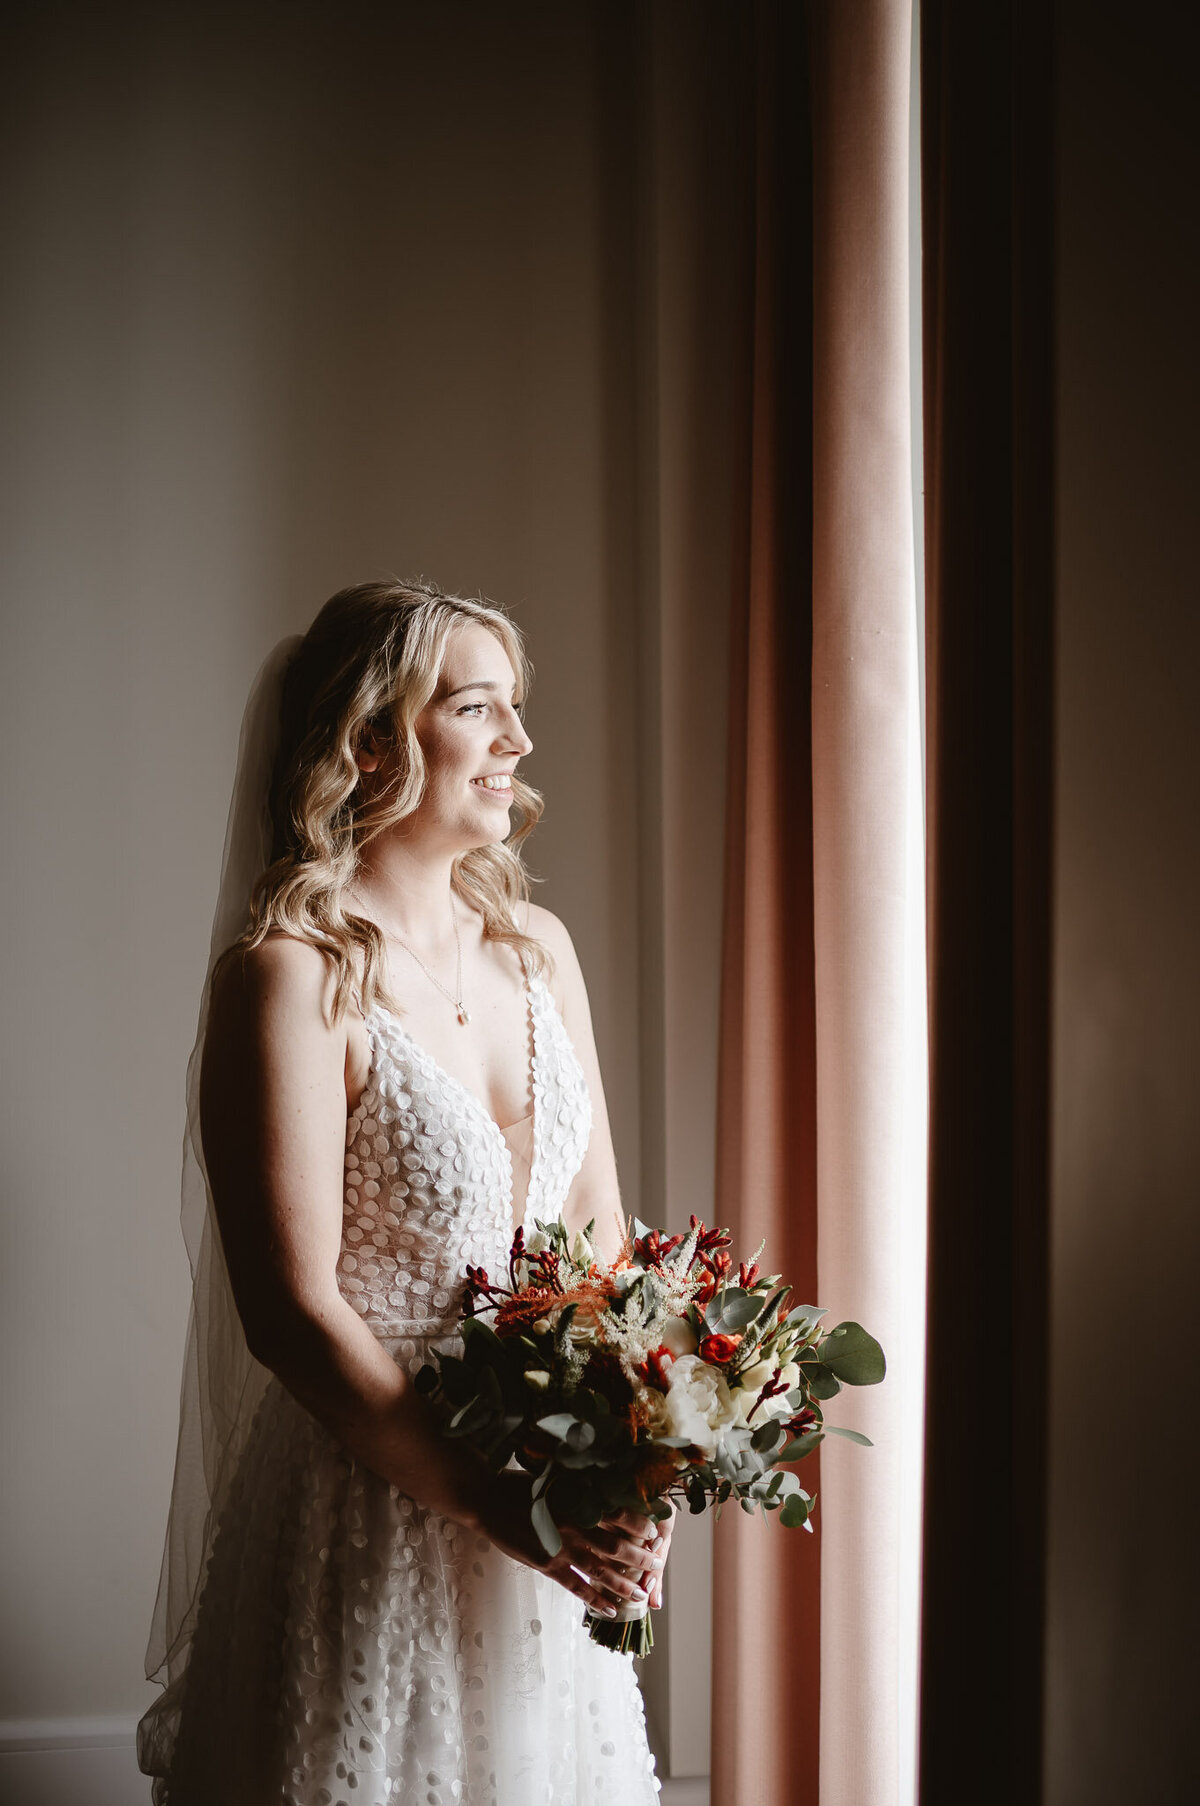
766, 1595
868, 859
822, 1079
987, 186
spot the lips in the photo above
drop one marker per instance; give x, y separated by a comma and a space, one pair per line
496, 784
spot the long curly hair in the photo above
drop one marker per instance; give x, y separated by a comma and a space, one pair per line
366, 668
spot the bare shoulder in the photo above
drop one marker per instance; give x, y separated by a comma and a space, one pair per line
284, 976
552, 932
566, 981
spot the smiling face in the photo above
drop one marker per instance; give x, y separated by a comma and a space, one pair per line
472, 737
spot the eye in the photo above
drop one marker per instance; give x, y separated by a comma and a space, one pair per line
468, 707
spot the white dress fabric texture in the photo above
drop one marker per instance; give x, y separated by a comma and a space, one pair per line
352, 1648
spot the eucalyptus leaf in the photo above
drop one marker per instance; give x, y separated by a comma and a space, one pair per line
835, 1429
739, 1309
794, 1512
853, 1355
546, 1528
579, 1458
823, 1382
489, 1387
559, 1424
479, 1340
803, 1445
767, 1435
712, 1314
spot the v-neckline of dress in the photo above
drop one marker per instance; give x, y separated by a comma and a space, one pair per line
481, 1108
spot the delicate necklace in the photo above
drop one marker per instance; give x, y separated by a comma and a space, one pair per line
464, 1014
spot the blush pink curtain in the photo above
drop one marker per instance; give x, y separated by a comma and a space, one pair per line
823, 1075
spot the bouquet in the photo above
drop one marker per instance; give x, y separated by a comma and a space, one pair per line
662, 1376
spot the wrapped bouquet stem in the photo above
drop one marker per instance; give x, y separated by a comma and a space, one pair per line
665, 1377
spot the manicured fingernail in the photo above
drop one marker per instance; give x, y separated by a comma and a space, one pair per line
610, 1611
639, 1593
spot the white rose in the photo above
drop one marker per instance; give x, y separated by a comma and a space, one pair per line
582, 1252
537, 1242
698, 1404
679, 1336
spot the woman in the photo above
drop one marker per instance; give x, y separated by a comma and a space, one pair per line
397, 1068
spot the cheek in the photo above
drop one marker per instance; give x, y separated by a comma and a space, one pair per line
448, 760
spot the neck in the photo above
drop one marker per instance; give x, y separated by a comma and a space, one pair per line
406, 889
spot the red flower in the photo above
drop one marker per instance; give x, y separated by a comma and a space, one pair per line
718, 1349
655, 1368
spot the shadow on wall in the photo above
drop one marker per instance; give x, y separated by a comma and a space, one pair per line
294, 299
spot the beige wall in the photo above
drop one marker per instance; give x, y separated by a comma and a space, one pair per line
1126, 1251
286, 307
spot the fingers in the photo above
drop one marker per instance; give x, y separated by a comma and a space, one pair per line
621, 1550
639, 1528
615, 1580
603, 1592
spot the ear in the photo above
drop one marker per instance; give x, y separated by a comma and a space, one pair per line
369, 756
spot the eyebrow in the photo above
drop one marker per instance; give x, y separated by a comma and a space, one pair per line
483, 684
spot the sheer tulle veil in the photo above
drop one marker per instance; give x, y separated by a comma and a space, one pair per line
222, 1382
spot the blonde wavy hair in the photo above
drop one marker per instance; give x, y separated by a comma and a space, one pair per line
365, 669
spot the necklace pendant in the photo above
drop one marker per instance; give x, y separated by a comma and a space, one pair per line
464, 1015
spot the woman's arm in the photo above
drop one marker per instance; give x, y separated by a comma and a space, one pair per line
273, 1124
595, 1192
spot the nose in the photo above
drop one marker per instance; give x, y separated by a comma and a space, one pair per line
513, 734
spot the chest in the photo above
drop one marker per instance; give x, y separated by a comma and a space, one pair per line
433, 1181
492, 1056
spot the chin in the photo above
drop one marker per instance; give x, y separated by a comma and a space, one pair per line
476, 837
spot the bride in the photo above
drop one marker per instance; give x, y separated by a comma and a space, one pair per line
395, 1068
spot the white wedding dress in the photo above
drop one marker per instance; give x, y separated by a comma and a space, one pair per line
352, 1648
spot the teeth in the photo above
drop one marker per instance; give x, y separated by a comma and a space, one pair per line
493, 783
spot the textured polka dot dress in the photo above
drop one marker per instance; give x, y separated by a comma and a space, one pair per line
352, 1648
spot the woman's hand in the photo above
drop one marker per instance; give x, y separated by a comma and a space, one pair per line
604, 1567
659, 1547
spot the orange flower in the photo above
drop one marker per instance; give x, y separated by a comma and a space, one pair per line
656, 1473
518, 1314
719, 1349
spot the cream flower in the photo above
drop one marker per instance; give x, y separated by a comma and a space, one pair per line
698, 1404
753, 1380
679, 1336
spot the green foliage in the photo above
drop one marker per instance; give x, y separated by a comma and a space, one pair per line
547, 1530
524, 1399
803, 1445
853, 1355
795, 1511
836, 1429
